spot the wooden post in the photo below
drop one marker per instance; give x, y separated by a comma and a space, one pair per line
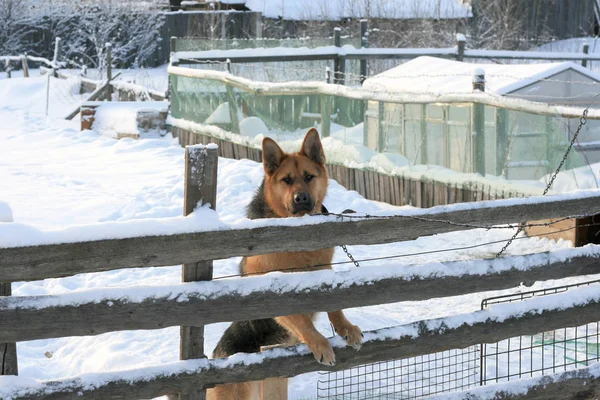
25, 66
273, 388
338, 68
109, 70
461, 42
200, 189
586, 49
8, 69
478, 124
8, 351
479, 79
364, 42
56, 56
173, 43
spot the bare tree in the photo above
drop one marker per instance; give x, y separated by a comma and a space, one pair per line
15, 26
505, 24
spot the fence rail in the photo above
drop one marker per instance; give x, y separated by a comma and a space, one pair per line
29, 318
44, 317
58, 260
392, 343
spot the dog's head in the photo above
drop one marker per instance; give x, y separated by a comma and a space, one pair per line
295, 184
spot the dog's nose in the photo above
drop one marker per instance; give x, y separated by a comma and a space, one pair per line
301, 198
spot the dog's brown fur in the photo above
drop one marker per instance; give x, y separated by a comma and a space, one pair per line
287, 178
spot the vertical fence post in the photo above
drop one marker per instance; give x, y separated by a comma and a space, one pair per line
461, 42
173, 61
478, 124
586, 50
109, 70
200, 188
339, 67
8, 351
25, 66
8, 69
364, 42
56, 56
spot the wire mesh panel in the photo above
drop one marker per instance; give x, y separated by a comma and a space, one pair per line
411, 378
540, 354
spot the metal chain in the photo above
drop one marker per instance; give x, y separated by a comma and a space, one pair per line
356, 264
582, 122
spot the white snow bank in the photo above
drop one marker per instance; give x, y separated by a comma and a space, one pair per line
5, 212
112, 118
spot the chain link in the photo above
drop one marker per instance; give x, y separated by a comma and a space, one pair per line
356, 264
582, 122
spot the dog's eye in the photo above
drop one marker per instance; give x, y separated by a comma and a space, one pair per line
308, 178
287, 180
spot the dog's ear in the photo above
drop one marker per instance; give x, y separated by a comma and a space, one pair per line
272, 155
312, 147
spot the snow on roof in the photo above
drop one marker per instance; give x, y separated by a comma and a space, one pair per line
339, 9
442, 76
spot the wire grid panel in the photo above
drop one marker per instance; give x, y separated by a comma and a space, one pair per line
540, 354
411, 378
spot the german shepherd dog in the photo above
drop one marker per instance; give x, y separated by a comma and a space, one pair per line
294, 185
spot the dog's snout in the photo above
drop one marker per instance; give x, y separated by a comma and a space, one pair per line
301, 198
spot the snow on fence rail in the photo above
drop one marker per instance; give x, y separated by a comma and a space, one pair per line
56, 254
358, 93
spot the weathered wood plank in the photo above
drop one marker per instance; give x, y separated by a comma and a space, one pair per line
433, 336
8, 350
38, 321
200, 185
569, 385
51, 261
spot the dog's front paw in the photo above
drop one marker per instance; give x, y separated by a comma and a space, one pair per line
322, 350
352, 335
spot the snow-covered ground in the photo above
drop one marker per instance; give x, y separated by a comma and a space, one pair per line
55, 176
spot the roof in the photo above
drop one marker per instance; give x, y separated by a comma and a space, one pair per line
442, 76
339, 9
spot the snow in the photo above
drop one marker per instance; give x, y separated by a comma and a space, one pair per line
334, 10
5, 212
441, 76
113, 118
60, 181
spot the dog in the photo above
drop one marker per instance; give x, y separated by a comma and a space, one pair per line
294, 185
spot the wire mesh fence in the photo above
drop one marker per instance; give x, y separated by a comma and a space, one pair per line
411, 378
460, 369
540, 354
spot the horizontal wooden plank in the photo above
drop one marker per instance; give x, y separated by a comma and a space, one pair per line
31, 318
51, 261
411, 340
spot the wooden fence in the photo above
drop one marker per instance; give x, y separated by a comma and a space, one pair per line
393, 189
42, 317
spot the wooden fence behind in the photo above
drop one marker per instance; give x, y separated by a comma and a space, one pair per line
194, 305
393, 189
